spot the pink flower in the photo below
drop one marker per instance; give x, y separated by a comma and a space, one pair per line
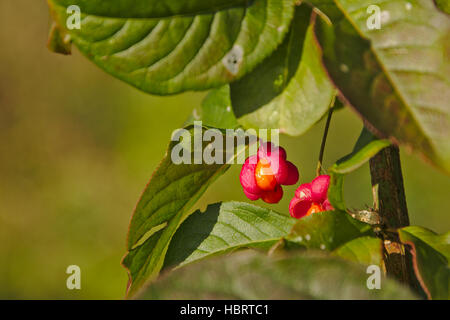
311, 198
263, 174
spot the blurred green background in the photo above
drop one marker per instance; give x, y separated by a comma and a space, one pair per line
78, 147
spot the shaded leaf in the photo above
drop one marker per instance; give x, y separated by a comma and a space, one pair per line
223, 228
431, 254
327, 230
365, 250
290, 90
397, 77
254, 276
197, 45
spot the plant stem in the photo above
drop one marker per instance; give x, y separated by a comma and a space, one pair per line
390, 202
387, 183
324, 140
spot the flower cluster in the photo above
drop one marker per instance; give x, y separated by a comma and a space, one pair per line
263, 174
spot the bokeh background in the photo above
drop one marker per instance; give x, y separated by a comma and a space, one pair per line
77, 147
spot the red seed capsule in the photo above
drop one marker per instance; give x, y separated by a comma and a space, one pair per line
265, 179
315, 207
273, 196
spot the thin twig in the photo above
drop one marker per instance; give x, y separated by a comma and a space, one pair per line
324, 139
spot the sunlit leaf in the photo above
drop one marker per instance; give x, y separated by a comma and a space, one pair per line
365, 148
223, 228
327, 230
431, 254
365, 250
165, 47
164, 205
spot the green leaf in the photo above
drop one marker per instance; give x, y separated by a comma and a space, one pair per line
57, 41
148, 8
365, 148
440, 243
327, 230
215, 110
290, 90
252, 276
336, 191
365, 250
224, 228
180, 45
164, 205
444, 5
431, 254
397, 77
